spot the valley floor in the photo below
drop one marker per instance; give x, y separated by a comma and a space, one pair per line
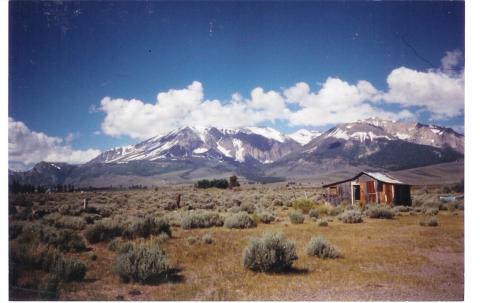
381, 260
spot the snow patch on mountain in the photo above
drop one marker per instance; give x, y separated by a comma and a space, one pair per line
304, 136
436, 131
200, 131
239, 150
223, 150
56, 166
339, 134
267, 132
403, 136
200, 150
362, 136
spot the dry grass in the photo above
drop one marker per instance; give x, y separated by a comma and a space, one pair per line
381, 259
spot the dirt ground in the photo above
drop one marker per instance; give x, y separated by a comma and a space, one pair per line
382, 260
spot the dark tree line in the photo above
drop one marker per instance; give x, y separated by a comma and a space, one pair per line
16, 187
218, 183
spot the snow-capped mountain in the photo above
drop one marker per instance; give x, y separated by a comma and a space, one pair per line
264, 145
44, 173
258, 154
304, 136
374, 128
376, 143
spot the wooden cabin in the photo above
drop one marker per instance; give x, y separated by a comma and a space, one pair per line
370, 187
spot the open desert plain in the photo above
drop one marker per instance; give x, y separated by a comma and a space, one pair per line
204, 242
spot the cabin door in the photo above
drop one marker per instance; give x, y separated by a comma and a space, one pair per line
372, 198
356, 192
362, 192
388, 193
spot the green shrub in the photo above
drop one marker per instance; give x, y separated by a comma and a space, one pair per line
270, 253
314, 213
147, 264
452, 206
70, 241
322, 222
70, 210
69, 269
104, 230
92, 256
351, 216
296, 217
159, 239
432, 204
303, 205
62, 221
235, 209
91, 218
430, 211
50, 260
201, 219
192, 240
120, 246
402, 209
207, 239
319, 247
48, 288
277, 202
65, 240
335, 211
240, 220
430, 221
145, 227
247, 207
322, 209
379, 212
266, 217
15, 229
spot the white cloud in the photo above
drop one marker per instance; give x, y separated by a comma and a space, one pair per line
336, 102
439, 93
27, 147
451, 60
177, 108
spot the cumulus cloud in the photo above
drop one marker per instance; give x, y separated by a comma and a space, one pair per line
440, 92
179, 107
452, 60
27, 147
337, 101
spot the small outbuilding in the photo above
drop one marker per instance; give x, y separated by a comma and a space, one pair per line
370, 187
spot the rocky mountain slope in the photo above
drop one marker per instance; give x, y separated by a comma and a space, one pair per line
264, 145
373, 143
259, 154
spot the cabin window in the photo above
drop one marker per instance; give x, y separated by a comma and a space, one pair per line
333, 190
379, 186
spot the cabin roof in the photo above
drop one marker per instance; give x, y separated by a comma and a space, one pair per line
382, 177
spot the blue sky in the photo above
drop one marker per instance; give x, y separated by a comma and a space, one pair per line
65, 58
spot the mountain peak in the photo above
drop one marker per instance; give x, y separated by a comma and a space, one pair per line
376, 128
304, 136
225, 144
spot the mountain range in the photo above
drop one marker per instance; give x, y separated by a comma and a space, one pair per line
258, 154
